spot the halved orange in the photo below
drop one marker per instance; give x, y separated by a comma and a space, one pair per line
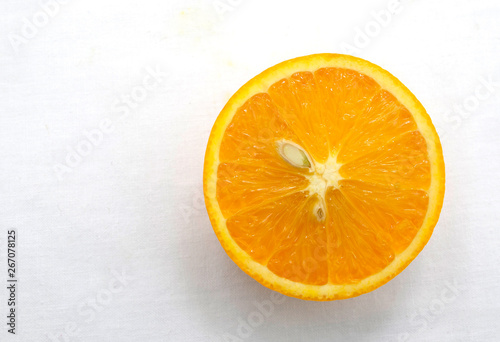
323, 177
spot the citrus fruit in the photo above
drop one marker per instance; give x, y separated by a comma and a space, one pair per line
323, 177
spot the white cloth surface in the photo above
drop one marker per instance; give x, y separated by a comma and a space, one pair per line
114, 244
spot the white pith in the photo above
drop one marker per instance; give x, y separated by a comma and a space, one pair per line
324, 175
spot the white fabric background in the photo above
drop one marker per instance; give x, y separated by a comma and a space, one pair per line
133, 206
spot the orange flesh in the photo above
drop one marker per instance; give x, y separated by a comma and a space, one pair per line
359, 223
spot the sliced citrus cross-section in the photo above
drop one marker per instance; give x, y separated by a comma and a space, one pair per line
323, 177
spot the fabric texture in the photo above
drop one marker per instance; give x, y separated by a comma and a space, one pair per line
105, 112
